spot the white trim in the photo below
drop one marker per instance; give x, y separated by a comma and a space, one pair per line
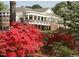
39, 23
38, 14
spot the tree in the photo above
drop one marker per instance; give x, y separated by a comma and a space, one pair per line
2, 6
12, 11
28, 7
70, 13
22, 6
36, 6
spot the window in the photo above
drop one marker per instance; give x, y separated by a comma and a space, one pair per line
21, 19
26, 18
38, 17
0, 16
7, 12
3, 12
0, 13
0, 20
34, 17
30, 17
41, 18
4, 15
44, 18
7, 15
5, 28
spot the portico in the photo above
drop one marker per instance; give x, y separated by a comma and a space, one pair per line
40, 17
41, 22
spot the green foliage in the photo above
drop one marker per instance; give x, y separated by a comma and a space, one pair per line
70, 13
36, 6
58, 49
61, 47
65, 51
2, 6
47, 31
46, 39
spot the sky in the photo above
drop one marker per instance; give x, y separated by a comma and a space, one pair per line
44, 4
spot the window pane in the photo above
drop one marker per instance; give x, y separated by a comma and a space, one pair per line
41, 18
30, 16
34, 17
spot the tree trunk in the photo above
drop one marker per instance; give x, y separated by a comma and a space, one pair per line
12, 11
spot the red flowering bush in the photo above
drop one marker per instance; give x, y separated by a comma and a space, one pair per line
70, 40
20, 40
57, 37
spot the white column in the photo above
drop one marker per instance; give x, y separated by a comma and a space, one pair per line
37, 18
50, 19
33, 17
23, 18
40, 18
28, 16
43, 18
47, 20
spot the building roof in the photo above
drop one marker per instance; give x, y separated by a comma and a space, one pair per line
40, 9
21, 9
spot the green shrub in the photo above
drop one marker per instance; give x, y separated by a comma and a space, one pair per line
65, 51
61, 47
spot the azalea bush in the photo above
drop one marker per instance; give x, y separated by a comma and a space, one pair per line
68, 39
20, 40
59, 44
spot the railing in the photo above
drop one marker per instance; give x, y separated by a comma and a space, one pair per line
38, 22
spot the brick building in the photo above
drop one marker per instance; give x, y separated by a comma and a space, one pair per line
4, 19
41, 18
